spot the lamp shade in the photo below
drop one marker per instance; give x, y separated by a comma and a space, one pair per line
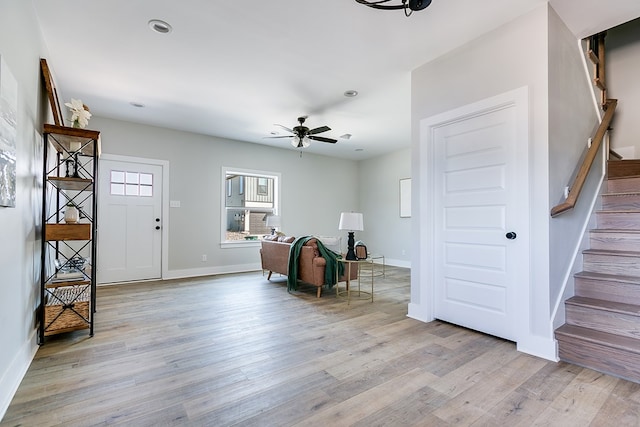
273, 221
351, 221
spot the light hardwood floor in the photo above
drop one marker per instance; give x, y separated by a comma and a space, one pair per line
239, 350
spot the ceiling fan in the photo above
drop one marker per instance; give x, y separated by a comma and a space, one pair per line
301, 135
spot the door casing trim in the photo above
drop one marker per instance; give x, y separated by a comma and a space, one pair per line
422, 298
164, 164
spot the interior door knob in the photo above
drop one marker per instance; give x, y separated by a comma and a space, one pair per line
157, 219
157, 227
511, 235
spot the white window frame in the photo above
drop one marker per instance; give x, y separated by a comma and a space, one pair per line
223, 208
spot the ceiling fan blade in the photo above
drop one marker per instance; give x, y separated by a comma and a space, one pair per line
284, 127
319, 130
280, 136
322, 138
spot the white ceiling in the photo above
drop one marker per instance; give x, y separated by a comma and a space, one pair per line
234, 69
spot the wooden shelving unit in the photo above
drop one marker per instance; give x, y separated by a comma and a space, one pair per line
68, 282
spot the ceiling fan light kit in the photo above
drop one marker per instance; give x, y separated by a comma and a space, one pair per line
301, 135
407, 5
300, 143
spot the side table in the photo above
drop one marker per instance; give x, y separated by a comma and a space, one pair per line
349, 264
377, 260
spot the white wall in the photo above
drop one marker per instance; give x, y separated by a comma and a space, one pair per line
379, 187
623, 62
510, 57
21, 46
315, 189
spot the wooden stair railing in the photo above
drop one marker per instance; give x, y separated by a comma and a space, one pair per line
595, 52
581, 177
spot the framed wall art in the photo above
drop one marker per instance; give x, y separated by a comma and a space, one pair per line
8, 135
405, 198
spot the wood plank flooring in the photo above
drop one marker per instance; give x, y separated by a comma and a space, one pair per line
237, 350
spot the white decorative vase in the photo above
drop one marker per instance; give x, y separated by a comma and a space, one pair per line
71, 215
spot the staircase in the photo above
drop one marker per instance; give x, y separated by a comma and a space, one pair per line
602, 329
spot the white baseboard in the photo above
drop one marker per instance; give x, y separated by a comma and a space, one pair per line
208, 271
15, 372
543, 347
418, 312
397, 262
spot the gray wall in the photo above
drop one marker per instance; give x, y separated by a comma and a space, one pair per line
314, 189
572, 121
384, 231
623, 62
21, 47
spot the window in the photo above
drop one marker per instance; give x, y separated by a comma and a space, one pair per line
131, 184
249, 196
263, 185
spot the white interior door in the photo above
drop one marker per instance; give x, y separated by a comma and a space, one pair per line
129, 221
480, 196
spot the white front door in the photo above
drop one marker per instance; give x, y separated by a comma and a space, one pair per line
481, 220
129, 221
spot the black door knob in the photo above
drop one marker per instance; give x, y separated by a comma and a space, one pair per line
157, 219
511, 235
157, 227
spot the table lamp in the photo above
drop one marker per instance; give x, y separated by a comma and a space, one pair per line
273, 221
351, 221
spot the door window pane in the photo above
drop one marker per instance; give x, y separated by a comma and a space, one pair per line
132, 190
117, 189
146, 191
133, 178
146, 179
117, 176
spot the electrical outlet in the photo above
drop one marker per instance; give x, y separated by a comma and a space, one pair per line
204, 258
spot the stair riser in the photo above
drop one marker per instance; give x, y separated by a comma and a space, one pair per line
611, 264
623, 324
621, 201
619, 220
623, 168
623, 185
616, 362
627, 293
615, 241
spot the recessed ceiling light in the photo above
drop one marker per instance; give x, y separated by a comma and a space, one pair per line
359, 149
346, 136
350, 93
137, 104
160, 26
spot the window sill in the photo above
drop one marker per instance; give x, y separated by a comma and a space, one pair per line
240, 244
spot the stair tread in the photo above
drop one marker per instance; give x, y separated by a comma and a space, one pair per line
615, 230
611, 252
618, 211
622, 193
617, 178
599, 304
608, 277
597, 337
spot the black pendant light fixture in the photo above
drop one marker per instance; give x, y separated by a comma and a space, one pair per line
407, 5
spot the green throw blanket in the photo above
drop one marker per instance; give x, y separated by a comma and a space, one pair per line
329, 271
